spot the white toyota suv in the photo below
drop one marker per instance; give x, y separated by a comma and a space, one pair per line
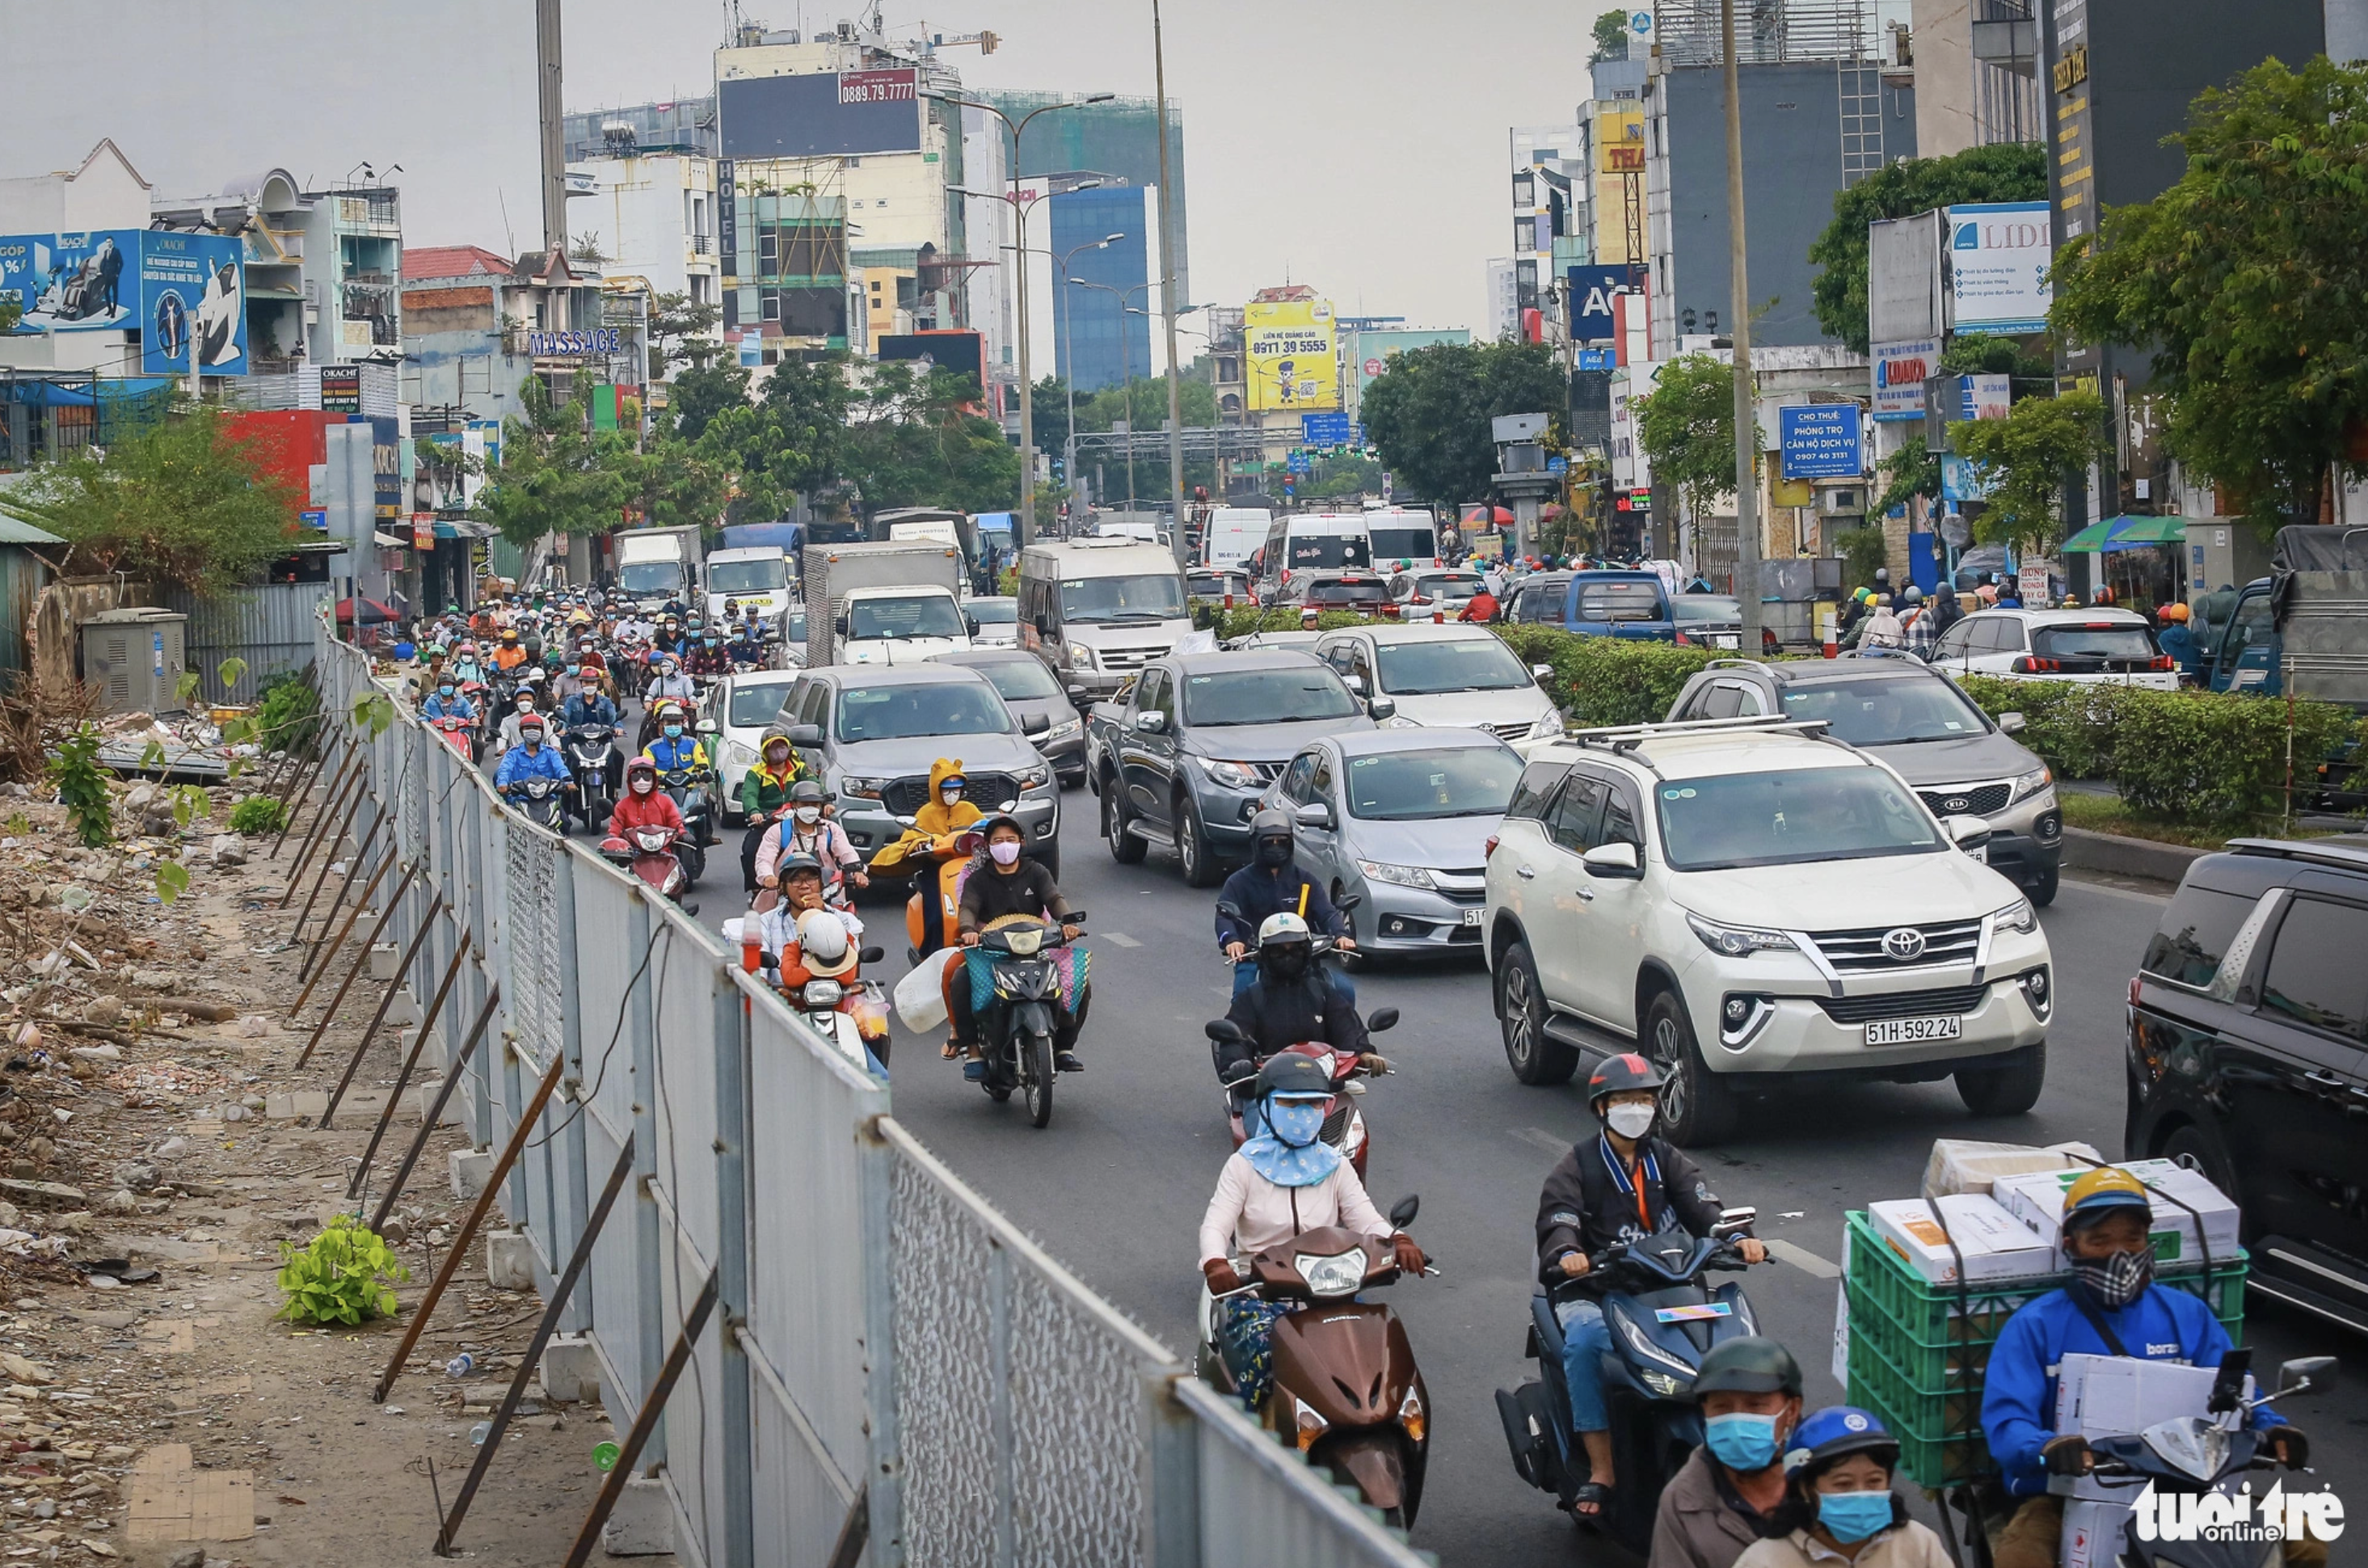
1738, 898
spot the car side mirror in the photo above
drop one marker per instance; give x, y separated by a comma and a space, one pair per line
1081, 697
1314, 814
2309, 1374
1381, 707
1224, 1032
2012, 723
1402, 1212
1541, 672
1964, 830
1617, 860
805, 735
839, 624
1043, 626
1034, 724
1383, 1018
1355, 683
970, 624
1150, 721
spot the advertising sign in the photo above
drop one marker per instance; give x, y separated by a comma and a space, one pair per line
192, 297
879, 86
1619, 175
1593, 317
341, 389
1821, 440
1961, 480
593, 344
1900, 369
1988, 397
1291, 354
1998, 266
819, 116
71, 282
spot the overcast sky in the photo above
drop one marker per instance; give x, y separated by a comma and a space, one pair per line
1355, 145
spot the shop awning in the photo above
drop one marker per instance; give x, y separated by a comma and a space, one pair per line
2128, 532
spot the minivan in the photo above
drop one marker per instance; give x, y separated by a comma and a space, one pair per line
1096, 610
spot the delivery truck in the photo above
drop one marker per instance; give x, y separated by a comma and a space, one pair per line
893, 602
655, 565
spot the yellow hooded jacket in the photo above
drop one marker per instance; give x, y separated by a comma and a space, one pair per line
934, 818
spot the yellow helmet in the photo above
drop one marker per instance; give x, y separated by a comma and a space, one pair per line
2093, 1194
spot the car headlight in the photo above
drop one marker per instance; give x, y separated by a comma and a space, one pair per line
1341, 1274
1063, 729
1032, 778
1234, 774
1549, 725
737, 753
1400, 721
2032, 783
1080, 656
2018, 917
1737, 941
1403, 875
861, 789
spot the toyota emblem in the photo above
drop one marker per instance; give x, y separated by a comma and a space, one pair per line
1904, 945
1955, 803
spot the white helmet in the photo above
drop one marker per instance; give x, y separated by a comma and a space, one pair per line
824, 945
1282, 927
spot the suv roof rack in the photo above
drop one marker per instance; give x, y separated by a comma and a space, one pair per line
1623, 739
1736, 664
2350, 856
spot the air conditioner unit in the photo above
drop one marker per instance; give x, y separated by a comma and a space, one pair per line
135, 657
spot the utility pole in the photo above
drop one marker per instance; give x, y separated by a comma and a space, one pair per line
1176, 530
1746, 478
548, 106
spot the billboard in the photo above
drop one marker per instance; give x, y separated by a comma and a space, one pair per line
1900, 369
1593, 317
961, 351
825, 115
74, 282
1375, 350
1619, 173
1291, 354
1821, 440
177, 291
1997, 266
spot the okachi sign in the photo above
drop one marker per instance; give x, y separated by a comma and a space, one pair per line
183, 293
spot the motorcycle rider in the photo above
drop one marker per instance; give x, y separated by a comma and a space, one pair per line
523, 705
510, 655
446, 702
529, 759
1291, 1001
1620, 1185
1719, 1502
669, 683
1839, 1504
747, 649
764, 790
1281, 1182
2111, 1307
643, 804
705, 656
803, 830
1271, 883
675, 750
1000, 884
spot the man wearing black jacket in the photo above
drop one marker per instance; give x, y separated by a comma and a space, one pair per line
1001, 883
1290, 1001
1272, 883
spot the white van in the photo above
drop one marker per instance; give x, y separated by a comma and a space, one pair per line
1311, 542
1234, 534
1402, 533
1096, 610
744, 577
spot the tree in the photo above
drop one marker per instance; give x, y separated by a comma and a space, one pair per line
2024, 460
1685, 426
920, 440
2246, 278
1427, 412
678, 319
698, 395
2012, 171
1142, 404
668, 484
183, 503
555, 478
11, 308
585, 246
785, 444
1611, 37
1049, 401
1911, 471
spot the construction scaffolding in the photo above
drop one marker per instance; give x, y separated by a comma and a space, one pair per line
1767, 33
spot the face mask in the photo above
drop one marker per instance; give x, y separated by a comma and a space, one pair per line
674, 732
809, 815
2116, 1280
777, 757
1295, 1122
526, 707
644, 785
444, 690
1288, 962
1854, 1516
530, 738
1005, 853
1274, 852
953, 797
1631, 1121
1742, 1441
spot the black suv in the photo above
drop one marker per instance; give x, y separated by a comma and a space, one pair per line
2248, 1057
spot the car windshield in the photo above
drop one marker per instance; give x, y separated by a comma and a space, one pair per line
1411, 786
1874, 712
1619, 601
756, 703
1420, 667
1266, 696
1785, 818
1700, 607
1402, 543
1305, 551
2102, 641
1088, 600
1021, 679
649, 577
797, 632
995, 612
745, 576
895, 712
916, 615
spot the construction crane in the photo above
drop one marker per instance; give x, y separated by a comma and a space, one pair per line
929, 43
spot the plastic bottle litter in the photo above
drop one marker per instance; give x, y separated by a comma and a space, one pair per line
479, 1433
604, 1457
460, 1366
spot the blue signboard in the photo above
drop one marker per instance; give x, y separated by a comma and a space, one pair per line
1324, 429
1961, 480
180, 293
85, 282
1597, 360
1592, 289
1821, 440
1300, 462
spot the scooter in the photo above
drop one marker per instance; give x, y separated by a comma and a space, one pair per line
591, 751
1664, 1320
652, 853
1347, 1392
946, 856
543, 801
1344, 1121
688, 788
1016, 1024
454, 731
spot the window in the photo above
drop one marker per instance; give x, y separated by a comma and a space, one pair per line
1874, 711
1790, 817
1723, 700
1299, 781
1621, 602
1152, 695
1954, 642
1267, 697
1338, 654
1429, 665
2195, 934
2100, 641
1021, 680
1537, 787
1620, 819
2001, 634
1577, 815
2316, 977
756, 705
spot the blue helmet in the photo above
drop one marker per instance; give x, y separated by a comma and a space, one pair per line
1838, 1430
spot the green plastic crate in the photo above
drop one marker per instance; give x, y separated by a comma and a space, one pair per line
1940, 1439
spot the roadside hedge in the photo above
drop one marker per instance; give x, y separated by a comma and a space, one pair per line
1246, 619
2207, 760
1603, 680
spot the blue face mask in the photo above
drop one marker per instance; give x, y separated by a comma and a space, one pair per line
674, 732
1854, 1516
1295, 1122
444, 690
1742, 1441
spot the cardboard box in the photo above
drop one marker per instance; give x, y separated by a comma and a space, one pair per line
2111, 1396
2093, 1528
1992, 1243
1969, 1165
2037, 1199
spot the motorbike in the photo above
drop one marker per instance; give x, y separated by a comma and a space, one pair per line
455, 732
851, 1009
1664, 1319
1016, 1024
543, 801
591, 751
1347, 1392
1344, 1121
688, 788
652, 855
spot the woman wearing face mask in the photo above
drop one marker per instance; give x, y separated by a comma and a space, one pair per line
1283, 1181
1000, 884
764, 794
1620, 1185
804, 830
643, 804
1839, 1504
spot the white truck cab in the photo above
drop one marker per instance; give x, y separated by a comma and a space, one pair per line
745, 578
901, 625
1096, 610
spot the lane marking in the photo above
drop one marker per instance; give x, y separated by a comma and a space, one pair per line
1801, 1258
1544, 1140
1121, 937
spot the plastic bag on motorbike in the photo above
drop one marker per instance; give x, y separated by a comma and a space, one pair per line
920, 995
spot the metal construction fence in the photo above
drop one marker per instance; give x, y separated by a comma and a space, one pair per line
883, 1346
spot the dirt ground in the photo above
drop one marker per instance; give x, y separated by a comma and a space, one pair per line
166, 1417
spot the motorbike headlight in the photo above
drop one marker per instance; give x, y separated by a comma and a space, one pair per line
1737, 941
1663, 1384
1549, 725
821, 992
1025, 944
1340, 1274
2032, 783
2018, 917
1403, 876
861, 789
1642, 1343
1063, 729
1080, 656
1234, 774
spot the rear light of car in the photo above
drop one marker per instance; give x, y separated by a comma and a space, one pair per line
2163, 661
1683, 640
1489, 849
2134, 990
2026, 665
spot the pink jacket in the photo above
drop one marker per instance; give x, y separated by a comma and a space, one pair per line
826, 841
1248, 1213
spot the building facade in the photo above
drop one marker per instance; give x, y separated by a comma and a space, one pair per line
1104, 296
478, 327
1549, 225
654, 217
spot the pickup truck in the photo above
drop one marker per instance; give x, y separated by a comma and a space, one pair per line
1180, 755
2301, 629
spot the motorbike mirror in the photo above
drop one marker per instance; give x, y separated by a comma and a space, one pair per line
1734, 1222
2308, 1374
710, 727
1348, 901
1075, 917
1229, 909
1223, 1030
1383, 1018
2228, 1387
1402, 1212
871, 955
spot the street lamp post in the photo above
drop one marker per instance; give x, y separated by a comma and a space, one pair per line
1019, 226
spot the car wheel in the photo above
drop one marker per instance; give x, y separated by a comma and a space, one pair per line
2042, 892
2005, 1085
1536, 1059
1200, 863
1696, 1109
1124, 847
2195, 1148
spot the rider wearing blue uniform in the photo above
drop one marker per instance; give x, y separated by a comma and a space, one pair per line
530, 759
